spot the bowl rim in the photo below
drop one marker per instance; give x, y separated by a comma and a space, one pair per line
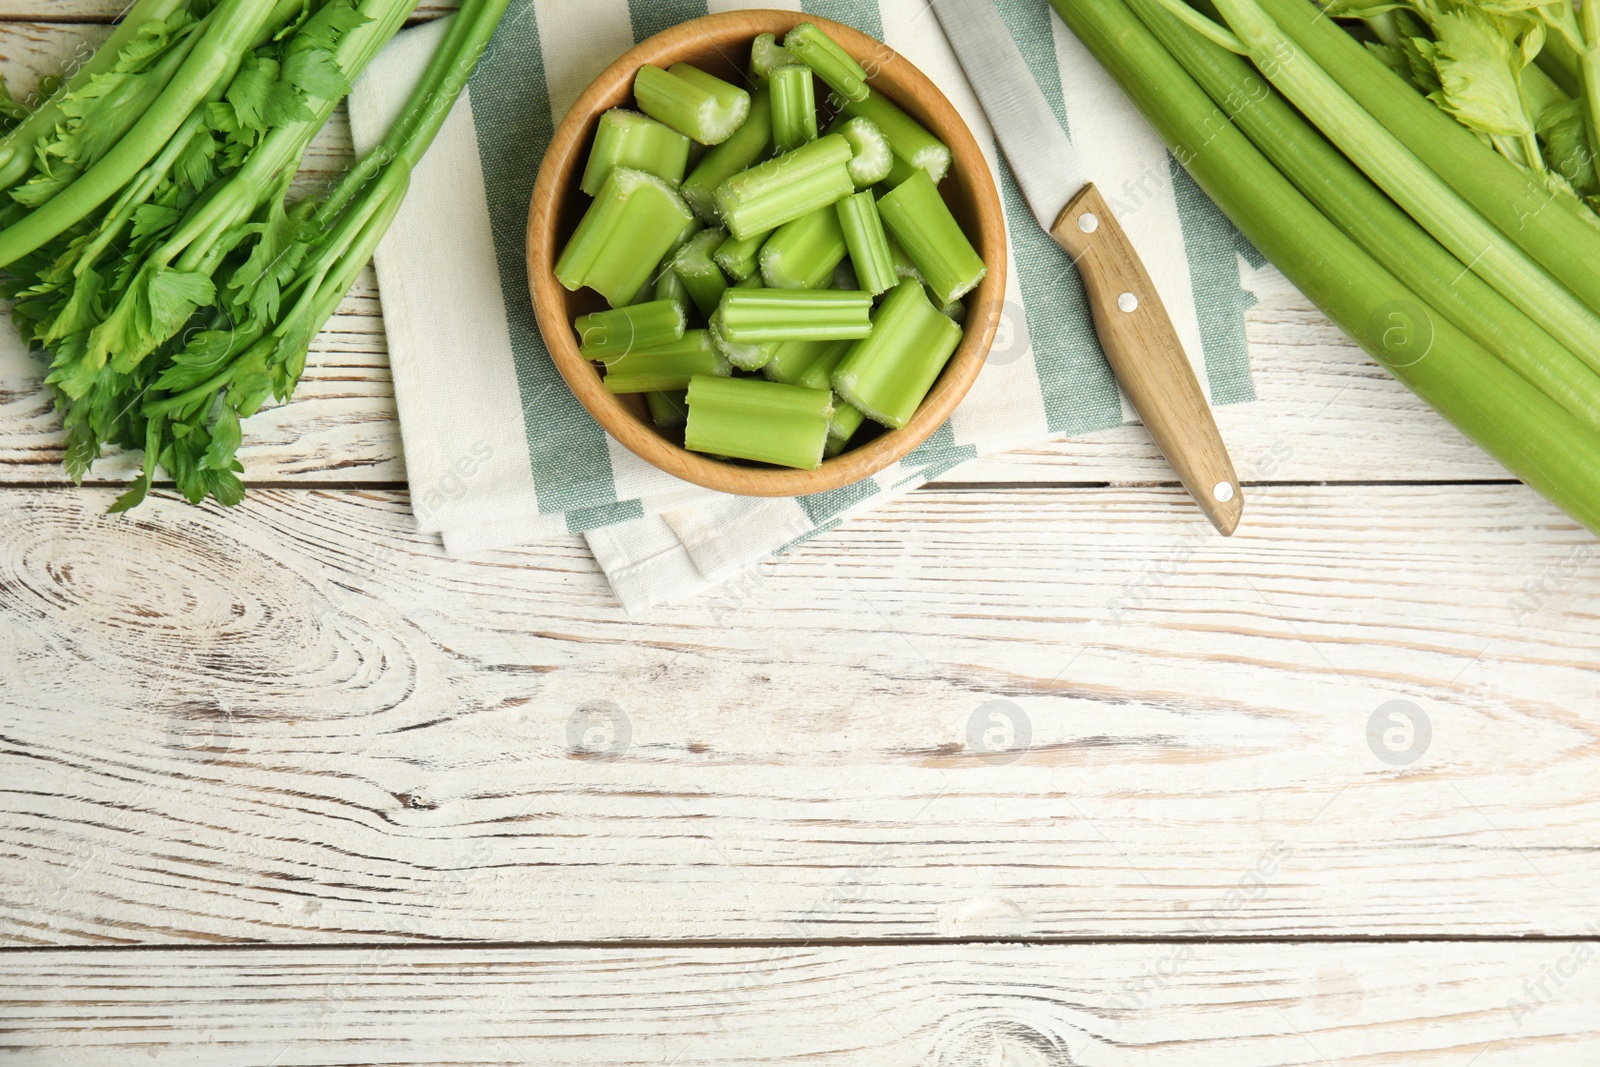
554, 183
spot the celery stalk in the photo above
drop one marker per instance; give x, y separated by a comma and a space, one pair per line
803, 254
807, 363
669, 409
628, 139
606, 335
738, 258
1424, 195
749, 144
867, 242
767, 55
760, 316
747, 418
666, 366
871, 158
833, 64
842, 426
689, 100
794, 106
752, 282
670, 287
781, 190
748, 355
887, 374
919, 219
903, 267
699, 272
913, 145
630, 226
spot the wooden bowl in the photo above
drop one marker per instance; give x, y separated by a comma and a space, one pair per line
720, 44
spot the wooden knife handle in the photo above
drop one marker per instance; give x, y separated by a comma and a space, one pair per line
1147, 357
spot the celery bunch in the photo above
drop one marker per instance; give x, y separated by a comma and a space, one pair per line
145, 238
829, 264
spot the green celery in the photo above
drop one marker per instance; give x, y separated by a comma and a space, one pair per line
738, 258
627, 230
910, 142
903, 267
844, 277
666, 366
233, 25
608, 334
794, 107
781, 190
761, 316
670, 287
669, 408
689, 100
628, 139
750, 143
803, 254
699, 272
1489, 402
867, 242
1549, 228
748, 355
1374, 222
919, 219
807, 43
888, 374
842, 426
1424, 195
871, 158
747, 418
752, 282
807, 363
767, 55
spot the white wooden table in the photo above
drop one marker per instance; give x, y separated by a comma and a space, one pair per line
1026, 768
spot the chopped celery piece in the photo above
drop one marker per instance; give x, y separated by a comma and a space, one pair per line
871, 158
629, 139
759, 316
781, 190
902, 262
803, 254
750, 143
794, 107
919, 219
748, 418
745, 356
807, 363
887, 374
669, 408
766, 55
699, 272
867, 242
691, 101
666, 366
670, 287
608, 334
843, 426
907, 138
833, 64
632, 224
752, 282
738, 258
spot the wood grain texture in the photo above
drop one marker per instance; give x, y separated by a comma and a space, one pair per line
1144, 352
1325, 411
1206, 1005
297, 721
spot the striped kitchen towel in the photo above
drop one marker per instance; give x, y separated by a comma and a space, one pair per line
499, 453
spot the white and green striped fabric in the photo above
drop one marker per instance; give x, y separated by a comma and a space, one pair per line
499, 453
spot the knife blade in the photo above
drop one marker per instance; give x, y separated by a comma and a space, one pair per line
1135, 331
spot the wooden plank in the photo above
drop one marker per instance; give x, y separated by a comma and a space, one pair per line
1198, 1005
298, 721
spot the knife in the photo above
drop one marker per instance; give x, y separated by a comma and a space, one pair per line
1138, 337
